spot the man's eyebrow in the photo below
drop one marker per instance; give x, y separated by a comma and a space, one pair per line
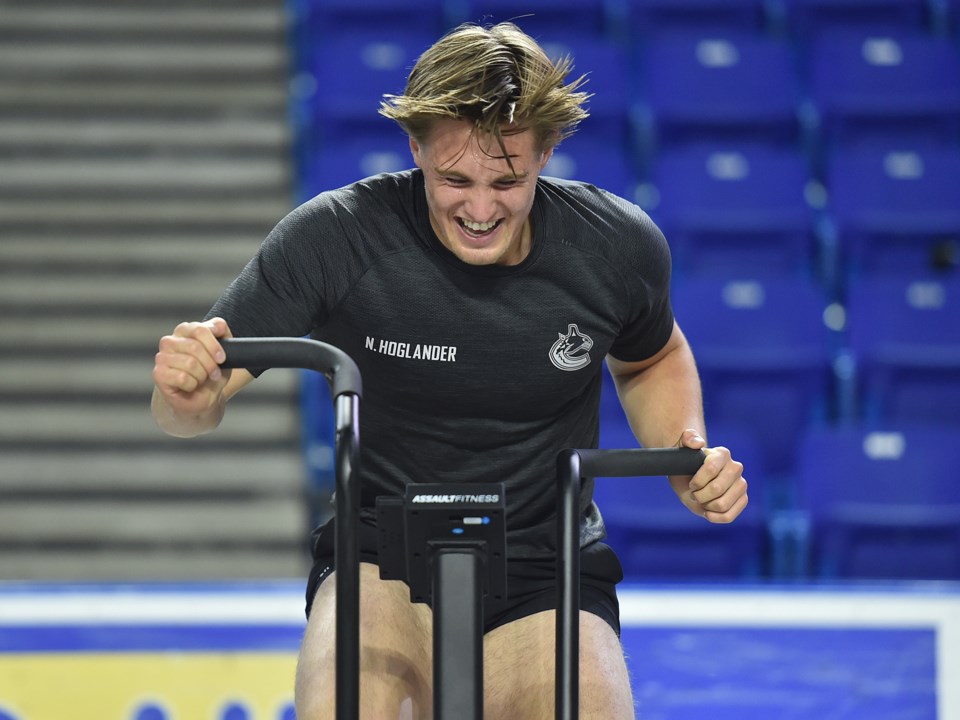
510, 177
506, 177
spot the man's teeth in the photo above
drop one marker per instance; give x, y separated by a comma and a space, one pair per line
478, 227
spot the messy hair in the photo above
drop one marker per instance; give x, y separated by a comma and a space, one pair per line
493, 76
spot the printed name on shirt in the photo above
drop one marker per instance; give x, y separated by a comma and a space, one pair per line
412, 351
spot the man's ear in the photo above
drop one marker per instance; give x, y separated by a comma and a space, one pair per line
415, 150
545, 158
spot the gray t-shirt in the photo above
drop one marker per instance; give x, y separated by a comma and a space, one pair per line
470, 373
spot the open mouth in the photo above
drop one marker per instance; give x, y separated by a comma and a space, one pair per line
478, 230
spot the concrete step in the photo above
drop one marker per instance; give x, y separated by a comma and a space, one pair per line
68, 423
71, 336
155, 564
20, 96
159, 253
181, 176
108, 134
197, 522
66, 376
212, 214
123, 59
266, 19
198, 287
175, 471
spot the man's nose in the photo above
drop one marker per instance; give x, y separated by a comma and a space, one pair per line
481, 204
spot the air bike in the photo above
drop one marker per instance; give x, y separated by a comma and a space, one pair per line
447, 541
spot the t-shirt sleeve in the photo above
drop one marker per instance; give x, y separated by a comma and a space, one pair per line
280, 293
647, 269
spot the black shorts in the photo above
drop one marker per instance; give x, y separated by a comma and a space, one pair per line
531, 584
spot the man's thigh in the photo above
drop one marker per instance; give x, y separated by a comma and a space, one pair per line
519, 670
395, 652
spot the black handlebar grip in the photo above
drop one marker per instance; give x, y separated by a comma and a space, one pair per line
640, 461
338, 367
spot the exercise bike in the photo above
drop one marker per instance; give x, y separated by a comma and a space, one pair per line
448, 542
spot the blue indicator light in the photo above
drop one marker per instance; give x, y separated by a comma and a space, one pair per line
486, 520
457, 531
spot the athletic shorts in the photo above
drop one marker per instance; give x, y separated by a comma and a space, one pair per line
531, 584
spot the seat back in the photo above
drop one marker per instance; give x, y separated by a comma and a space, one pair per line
763, 354
869, 87
883, 503
733, 209
895, 209
904, 335
652, 17
810, 17
730, 87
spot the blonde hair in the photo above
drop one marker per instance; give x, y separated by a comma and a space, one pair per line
493, 76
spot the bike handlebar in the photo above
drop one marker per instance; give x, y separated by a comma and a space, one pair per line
639, 462
572, 467
345, 387
338, 367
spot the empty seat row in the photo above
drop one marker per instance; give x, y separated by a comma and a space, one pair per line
867, 503
849, 85
633, 17
775, 355
754, 209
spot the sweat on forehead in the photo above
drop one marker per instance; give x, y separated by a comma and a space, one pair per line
509, 151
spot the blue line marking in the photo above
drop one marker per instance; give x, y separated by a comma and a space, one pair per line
134, 638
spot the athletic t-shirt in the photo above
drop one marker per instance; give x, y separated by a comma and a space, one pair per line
470, 373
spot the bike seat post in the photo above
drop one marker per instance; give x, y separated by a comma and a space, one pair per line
457, 633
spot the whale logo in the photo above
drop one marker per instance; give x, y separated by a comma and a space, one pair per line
571, 351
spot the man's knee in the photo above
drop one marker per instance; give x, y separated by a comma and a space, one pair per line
521, 661
395, 657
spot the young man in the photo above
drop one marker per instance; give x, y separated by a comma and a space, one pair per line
479, 300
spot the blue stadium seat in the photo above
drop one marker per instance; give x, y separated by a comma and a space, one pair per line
352, 73
809, 17
542, 18
608, 75
594, 158
904, 336
709, 87
328, 18
649, 17
895, 210
881, 503
656, 537
870, 88
333, 165
734, 209
763, 354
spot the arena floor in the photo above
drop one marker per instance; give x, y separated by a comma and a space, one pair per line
227, 651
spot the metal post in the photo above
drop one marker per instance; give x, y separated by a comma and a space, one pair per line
457, 634
347, 559
567, 689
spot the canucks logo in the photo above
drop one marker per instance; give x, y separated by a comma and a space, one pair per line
571, 351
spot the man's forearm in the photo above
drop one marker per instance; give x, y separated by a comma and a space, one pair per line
663, 399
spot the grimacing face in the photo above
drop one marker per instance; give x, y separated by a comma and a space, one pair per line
478, 208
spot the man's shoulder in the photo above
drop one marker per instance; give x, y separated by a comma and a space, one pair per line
583, 211
573, 198
385, 189
381, 208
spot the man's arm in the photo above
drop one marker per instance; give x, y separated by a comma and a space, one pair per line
662, 401
190, 389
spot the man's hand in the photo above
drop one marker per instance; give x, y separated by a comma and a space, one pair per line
191, 388
718, 492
